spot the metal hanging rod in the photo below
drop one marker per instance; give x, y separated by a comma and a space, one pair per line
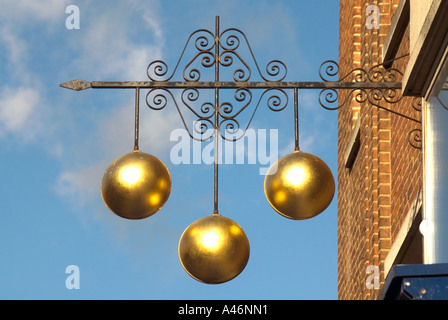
79, 85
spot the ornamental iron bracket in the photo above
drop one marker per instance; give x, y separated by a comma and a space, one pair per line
227, 53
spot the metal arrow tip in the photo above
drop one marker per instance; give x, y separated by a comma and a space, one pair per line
77, 85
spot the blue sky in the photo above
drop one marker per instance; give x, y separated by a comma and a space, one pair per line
56, 143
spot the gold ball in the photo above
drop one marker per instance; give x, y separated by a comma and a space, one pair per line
299, 186
136, 185
214, 249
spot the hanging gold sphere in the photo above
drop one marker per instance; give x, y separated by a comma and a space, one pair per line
136, 185
299, 186
214, 249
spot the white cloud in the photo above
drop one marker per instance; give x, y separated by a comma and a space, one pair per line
18, 112
26, 10
108, 45
155, 129
82, 184
24, 115
114, 47
15, 47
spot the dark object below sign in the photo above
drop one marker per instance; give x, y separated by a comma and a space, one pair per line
416, 282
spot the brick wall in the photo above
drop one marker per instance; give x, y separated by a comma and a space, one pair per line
376, 193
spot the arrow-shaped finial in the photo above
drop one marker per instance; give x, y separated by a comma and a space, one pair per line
77, 85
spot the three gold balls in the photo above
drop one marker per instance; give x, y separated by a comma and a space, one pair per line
215, 249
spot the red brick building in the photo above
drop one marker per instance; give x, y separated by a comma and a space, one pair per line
380, 173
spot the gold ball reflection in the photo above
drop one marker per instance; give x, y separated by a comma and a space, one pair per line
136, 185
214, 249
299, 185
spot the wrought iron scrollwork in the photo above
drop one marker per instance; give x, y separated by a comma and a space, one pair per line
415, 138
230, 42
229, 126
329, 69
204, 42
223, 51
209, 56
378, 94
157, 99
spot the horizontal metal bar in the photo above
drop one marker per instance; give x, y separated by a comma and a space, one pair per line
82, 85
247, 85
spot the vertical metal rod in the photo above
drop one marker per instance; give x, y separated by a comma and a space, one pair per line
137, 111
296, 118
216, 125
